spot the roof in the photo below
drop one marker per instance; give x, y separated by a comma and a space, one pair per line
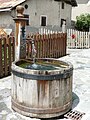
82, 1
72, 2
7, 5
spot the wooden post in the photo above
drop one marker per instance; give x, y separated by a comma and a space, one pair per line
20, 40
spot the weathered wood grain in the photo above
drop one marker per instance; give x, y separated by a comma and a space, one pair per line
41, 98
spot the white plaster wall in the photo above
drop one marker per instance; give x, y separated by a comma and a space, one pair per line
36, 8
51, 9
66, 14
45, 7
5, 19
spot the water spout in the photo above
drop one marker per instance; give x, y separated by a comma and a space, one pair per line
33, 50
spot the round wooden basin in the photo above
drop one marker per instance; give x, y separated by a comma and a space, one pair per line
42, 93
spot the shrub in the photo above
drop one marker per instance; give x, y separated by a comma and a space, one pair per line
83, 22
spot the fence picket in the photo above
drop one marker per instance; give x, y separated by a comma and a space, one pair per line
7, 51
11, 43
80, 42
5, 56
1, 58
81, 39
87, 40
9, 54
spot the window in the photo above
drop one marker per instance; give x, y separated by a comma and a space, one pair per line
62, 21
62, 5
43, 20
26, 6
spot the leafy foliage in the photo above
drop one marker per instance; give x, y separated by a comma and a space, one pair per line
83, 22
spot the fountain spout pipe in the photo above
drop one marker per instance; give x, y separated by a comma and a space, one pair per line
33, 50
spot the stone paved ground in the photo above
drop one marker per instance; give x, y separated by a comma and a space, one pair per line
81, 87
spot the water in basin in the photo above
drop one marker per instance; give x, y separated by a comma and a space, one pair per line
42, 67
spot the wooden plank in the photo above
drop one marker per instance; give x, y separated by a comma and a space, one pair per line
80, 42
50, 45
5, 57
27, 49
9, 53
54, 45
60, 44
57, 45
44, 45
1, 71
47, 47
13, 49
88, 38
63, 37
41, 42
40, 46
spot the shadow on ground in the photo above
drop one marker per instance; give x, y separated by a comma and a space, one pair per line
75, 101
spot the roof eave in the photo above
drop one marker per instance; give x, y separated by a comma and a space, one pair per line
11, 7
5, 9
71, 2
74, 3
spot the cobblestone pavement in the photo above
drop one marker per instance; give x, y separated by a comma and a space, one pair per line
81, 87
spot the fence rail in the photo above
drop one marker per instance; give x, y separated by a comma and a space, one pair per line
48, 46
7, 46
78, 39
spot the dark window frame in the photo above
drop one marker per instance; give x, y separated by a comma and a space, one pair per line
63, 5
62, 22
43, 20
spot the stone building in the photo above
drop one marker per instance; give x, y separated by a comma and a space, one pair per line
50, 13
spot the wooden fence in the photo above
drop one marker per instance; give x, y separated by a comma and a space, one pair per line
7, 46
48, 46
78, 39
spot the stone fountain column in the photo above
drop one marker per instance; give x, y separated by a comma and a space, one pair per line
20, 37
